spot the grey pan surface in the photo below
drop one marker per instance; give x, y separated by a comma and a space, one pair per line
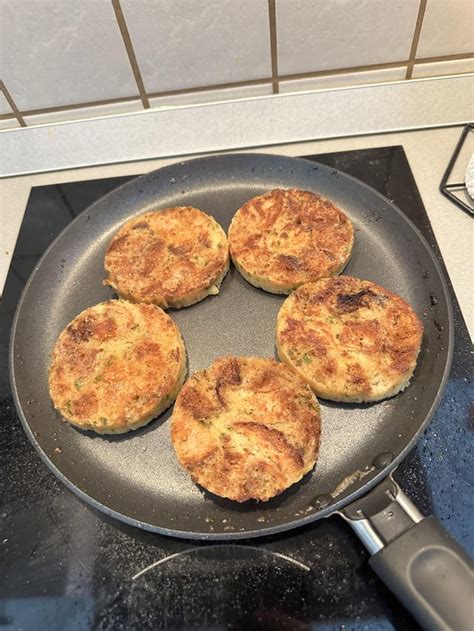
136, 477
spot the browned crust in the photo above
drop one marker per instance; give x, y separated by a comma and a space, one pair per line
116, 366
171, 257
350, 339
246, 428
285, 238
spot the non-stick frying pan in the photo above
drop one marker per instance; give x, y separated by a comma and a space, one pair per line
136, 477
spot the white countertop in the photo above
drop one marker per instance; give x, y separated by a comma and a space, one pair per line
428, 153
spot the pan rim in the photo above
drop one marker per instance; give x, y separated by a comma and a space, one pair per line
266, 530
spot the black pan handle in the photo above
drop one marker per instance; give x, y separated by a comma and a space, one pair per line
417, 559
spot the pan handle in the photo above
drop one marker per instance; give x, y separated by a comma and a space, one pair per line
416, 558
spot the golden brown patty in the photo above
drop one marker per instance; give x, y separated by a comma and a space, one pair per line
172, 257
350, 339
246, 428
116, 366
285, 238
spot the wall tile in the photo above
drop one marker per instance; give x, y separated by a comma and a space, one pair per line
4, 105
83, 112
448, 28
209, 96
322, 35
343, 80
187, 44
441, 68
62, 52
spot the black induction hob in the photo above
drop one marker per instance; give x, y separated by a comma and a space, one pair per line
65, 566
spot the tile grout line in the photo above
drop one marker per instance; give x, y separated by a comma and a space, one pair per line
416, 38
130, 52
12, 104
338, 71
209, 88
273, 45
236, 84
75, 106
441, 58
371, 67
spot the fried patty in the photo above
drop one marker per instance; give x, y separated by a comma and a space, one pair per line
117, 366
172, 257
285, 238
349, 339
246, 428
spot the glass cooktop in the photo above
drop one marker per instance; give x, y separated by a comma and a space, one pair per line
66, 566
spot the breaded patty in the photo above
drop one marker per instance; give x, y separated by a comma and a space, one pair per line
246, 428
117, 366
351, 340
172, 257
285, 238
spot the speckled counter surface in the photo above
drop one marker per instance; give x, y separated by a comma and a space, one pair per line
65, 566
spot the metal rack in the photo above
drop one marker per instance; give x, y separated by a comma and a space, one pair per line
450, 188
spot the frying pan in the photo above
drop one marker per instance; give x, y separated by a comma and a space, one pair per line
136, 477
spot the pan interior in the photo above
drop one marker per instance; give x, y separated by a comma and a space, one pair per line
136, 475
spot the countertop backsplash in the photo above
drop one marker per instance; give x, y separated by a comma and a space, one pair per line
63, 60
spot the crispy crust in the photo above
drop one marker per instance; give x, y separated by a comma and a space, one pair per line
285, 238
117, 366
349, 339
246, 428
173, 257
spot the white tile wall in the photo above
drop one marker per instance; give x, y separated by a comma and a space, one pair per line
192, 43
443, 68
325, 34
343, 80
62, 52
4, 105
448, 28
71, 52
210, 96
